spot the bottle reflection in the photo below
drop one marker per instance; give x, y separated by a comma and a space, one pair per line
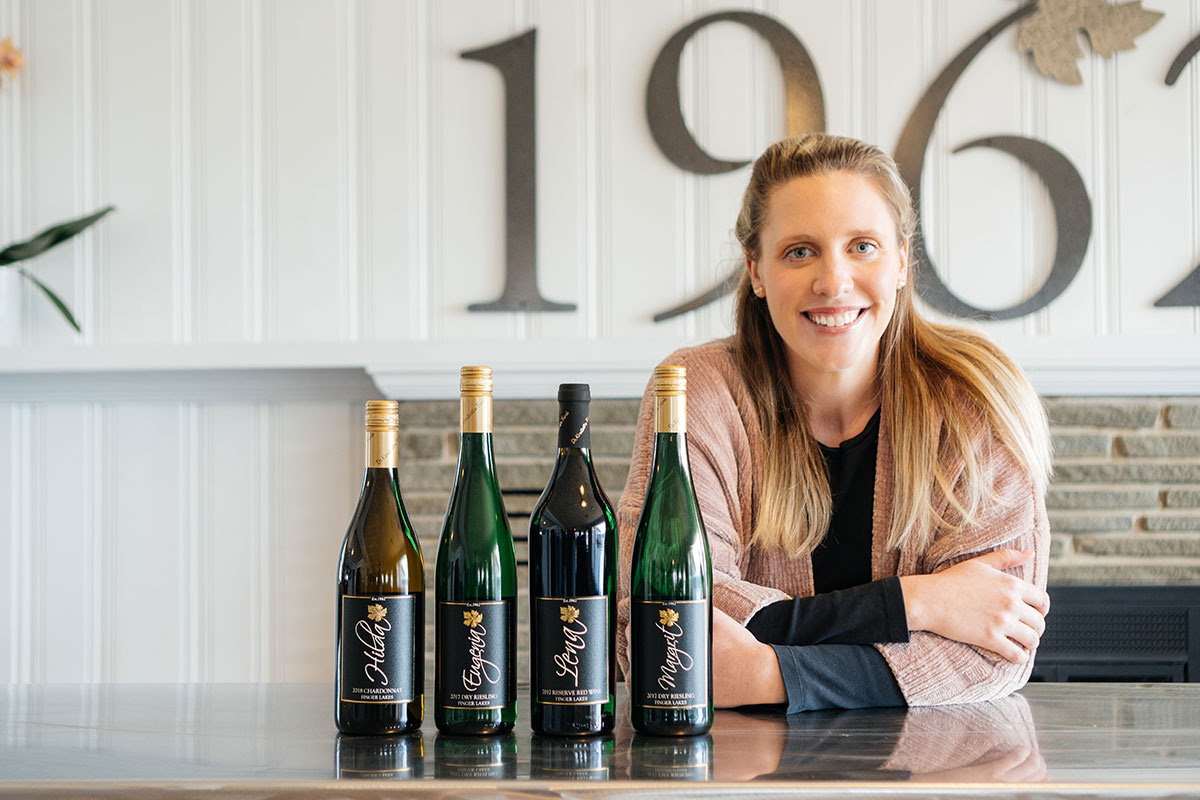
667, 758
587, 759
491, 757
375, 757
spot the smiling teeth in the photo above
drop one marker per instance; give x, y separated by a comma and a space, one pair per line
834, 320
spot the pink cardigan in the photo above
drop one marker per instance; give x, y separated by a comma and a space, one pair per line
725, 448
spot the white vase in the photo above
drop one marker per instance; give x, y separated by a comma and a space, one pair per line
12, 290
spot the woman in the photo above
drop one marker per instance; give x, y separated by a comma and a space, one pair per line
872, 483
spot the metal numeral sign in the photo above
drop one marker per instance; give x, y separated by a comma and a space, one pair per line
805, 111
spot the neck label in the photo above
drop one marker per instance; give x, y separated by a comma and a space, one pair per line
670, 413
383, 448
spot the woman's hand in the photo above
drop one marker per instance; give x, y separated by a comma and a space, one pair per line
977, 603
745, 671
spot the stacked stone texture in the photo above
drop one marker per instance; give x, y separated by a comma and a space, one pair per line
1124, 504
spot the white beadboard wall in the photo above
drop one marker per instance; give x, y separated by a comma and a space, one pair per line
319, 183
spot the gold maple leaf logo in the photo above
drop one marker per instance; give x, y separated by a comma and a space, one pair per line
1051, 33
472, 618
376, 613
668, 617
568, 614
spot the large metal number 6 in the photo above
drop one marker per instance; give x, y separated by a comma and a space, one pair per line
805, 112
1072, 207
1187, 292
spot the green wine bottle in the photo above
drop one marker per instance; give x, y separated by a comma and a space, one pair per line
380, 673
475, 684
670, 681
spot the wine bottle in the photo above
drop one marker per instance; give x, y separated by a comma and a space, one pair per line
572, 586
380, 673
475, 684
670, 681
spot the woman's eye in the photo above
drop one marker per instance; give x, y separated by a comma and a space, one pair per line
864, 248
799, 251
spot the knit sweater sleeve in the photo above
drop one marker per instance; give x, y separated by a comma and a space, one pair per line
932, 670
719, 456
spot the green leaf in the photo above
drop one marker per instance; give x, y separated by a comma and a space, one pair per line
59, 304
23, 251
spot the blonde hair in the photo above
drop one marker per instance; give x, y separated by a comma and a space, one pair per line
937, 383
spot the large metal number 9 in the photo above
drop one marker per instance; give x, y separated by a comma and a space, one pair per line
1072, 207
664, 112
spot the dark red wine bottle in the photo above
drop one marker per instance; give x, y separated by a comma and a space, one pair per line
572, 586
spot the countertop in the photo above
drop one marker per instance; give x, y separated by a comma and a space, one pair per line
278, 740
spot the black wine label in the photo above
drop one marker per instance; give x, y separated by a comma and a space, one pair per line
377, 648
474, 657
670, 653
572, 645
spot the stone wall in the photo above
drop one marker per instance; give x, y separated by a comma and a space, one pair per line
1124, 504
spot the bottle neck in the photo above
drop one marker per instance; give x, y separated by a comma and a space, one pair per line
670, 413
382, 448
476, 412
574, 426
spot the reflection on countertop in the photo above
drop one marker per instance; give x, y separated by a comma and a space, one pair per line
249, 740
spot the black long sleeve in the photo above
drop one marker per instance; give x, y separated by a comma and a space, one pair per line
866, 614
836, 676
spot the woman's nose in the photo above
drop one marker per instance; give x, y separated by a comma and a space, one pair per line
833, 278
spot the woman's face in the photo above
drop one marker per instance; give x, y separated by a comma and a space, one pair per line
830, 266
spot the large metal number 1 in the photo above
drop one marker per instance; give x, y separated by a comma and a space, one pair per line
515, 60
1187, 291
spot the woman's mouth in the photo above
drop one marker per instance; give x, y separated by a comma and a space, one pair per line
835, 319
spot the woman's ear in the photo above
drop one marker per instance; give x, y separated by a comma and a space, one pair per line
755, 278
904, 251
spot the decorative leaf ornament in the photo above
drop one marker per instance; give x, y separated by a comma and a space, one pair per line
667, 617
1051, 33
376, 613
568, 614
472, 618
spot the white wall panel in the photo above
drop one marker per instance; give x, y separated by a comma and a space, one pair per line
1156, 216
313, 495
147, 549
60, 596
233, 553
221, 187
52, 126
389, 134
305, 159
138, 169
12, 508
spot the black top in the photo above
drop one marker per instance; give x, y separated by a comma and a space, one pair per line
823, 642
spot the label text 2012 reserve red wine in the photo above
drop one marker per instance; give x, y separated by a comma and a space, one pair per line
572, 586
380, 675
670, 681
475, 682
